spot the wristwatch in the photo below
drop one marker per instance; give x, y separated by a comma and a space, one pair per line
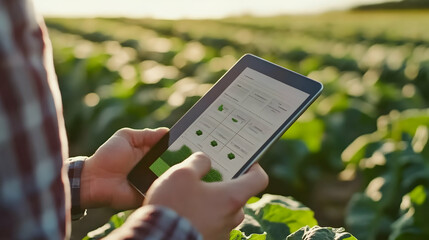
76, 165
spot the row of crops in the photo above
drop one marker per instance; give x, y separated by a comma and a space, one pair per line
358, 157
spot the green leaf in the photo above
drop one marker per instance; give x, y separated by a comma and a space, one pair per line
252, 200
320, 233
362, 217
408, 121
278, 216
418, 195
413, 224
287, 167
257, 237
238, 235
235, 235
310, 132
115, 222
375, 213
361, 148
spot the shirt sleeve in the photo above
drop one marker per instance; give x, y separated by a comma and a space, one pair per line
32, 135
156, 222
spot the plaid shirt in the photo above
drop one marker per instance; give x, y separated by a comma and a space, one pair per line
34, 192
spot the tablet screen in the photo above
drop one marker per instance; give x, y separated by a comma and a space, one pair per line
236, 125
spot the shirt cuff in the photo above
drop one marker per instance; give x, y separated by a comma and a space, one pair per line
75, 166
156, 222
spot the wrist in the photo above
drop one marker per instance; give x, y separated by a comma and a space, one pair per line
93, 194
87, 199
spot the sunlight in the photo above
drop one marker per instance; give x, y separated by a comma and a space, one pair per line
172, 9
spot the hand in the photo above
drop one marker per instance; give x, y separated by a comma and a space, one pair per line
213, 208
104, 175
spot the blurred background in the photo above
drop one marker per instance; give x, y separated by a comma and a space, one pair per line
358, 157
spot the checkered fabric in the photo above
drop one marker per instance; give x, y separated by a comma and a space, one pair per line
34, 190
32, 193
153, 223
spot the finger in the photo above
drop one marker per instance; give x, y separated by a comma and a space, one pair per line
249, 184
145, 138
199, 163
238, 218
148, 137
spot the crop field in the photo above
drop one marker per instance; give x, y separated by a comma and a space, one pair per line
359, 157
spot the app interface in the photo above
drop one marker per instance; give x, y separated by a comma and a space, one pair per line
233, 128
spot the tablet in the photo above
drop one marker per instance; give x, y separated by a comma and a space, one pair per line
234, 123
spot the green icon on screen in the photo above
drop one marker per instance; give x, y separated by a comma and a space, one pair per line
199, 132
220, 108
231, 156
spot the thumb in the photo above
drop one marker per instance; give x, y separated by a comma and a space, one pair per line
146, 137
199, 163
249, 184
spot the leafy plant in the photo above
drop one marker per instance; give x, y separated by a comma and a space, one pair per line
271, 217
396, 172
316, 233
276, 216
115, 222
142, 73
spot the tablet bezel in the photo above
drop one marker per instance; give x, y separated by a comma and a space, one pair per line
141, 177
